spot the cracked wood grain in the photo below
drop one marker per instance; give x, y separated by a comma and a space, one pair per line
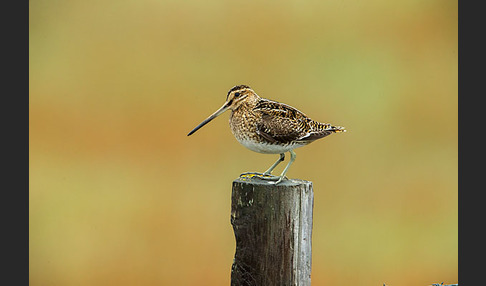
273, 229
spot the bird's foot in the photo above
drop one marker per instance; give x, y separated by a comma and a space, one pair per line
280, 178
264, 176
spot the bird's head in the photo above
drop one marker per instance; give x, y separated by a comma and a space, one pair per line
235, 97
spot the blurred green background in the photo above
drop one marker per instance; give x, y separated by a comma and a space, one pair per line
119, 195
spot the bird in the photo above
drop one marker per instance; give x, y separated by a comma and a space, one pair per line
269, 127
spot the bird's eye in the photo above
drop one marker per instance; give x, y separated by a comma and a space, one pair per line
237, 94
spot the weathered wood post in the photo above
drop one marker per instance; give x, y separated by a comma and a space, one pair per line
273, 229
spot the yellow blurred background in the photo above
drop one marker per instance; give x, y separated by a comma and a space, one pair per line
119, 195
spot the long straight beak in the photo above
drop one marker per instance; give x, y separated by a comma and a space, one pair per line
211, 117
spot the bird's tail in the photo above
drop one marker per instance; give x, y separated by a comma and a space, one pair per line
326, 127
321, 130
337, 129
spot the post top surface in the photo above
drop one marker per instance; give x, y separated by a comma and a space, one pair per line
260, 181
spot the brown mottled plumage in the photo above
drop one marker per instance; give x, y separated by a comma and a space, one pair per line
269, 127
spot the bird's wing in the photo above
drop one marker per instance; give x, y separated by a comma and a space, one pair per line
284, 124
280, 123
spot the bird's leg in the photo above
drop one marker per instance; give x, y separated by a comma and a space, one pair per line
268, 173
282, 176
292, 159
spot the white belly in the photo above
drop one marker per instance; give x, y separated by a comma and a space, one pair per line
268, 148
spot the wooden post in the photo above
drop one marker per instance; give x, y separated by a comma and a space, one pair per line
273, 229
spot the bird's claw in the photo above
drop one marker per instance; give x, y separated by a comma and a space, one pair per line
265, 176
280, 178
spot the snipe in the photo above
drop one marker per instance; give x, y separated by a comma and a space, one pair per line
269, 127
